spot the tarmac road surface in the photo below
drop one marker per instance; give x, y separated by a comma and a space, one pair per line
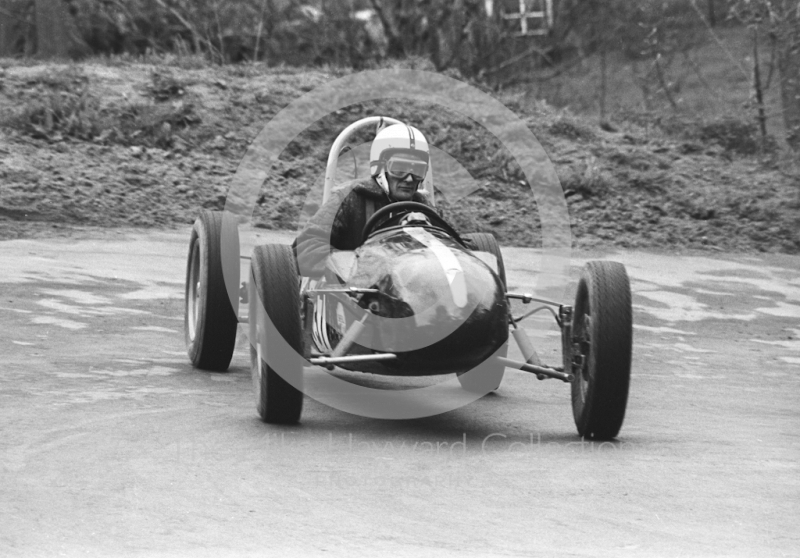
112, 445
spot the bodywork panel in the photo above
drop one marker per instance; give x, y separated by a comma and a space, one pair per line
438, 307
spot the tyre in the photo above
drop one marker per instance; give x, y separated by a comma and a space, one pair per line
212, 291
276, 334
488, 376
602, 335
485, 242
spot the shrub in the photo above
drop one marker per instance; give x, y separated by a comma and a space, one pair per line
732, 133
165, 86
588, 180
153, 125
737, 136
65, 113
61, 104
570, 129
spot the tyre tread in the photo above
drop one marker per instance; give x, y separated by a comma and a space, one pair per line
216, 335
486, 242
608, 290
274, 275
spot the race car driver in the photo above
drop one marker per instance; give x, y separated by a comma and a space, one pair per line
399, 160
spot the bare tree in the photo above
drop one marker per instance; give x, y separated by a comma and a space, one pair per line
451, 33
395, 46
787, 29
780, 19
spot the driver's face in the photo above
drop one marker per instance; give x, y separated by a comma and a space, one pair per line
402, 189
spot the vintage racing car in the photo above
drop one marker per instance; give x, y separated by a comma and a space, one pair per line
417, 298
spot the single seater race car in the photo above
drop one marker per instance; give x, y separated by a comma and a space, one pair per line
416, 299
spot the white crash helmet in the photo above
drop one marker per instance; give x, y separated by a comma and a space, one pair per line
397, 139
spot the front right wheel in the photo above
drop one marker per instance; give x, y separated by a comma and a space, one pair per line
212, 295
486, 242
602, 340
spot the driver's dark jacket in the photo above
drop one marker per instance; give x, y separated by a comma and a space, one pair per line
339, 223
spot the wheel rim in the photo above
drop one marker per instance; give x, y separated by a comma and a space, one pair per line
583, 376
193, 298
257, 366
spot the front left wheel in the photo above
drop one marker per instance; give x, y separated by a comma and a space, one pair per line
276, 334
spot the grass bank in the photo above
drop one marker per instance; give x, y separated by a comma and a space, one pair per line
128, 143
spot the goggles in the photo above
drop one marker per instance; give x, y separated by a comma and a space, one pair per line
398, 167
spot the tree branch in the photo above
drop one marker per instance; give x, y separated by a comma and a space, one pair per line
395, 46
195, 35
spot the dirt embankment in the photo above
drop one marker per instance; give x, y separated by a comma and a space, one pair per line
142, 145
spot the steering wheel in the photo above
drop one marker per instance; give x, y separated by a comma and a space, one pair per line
407, 207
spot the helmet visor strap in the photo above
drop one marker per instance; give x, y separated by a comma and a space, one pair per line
399, 167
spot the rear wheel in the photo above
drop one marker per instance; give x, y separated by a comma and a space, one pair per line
486, 242
602, 335
276, 334
212, 291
